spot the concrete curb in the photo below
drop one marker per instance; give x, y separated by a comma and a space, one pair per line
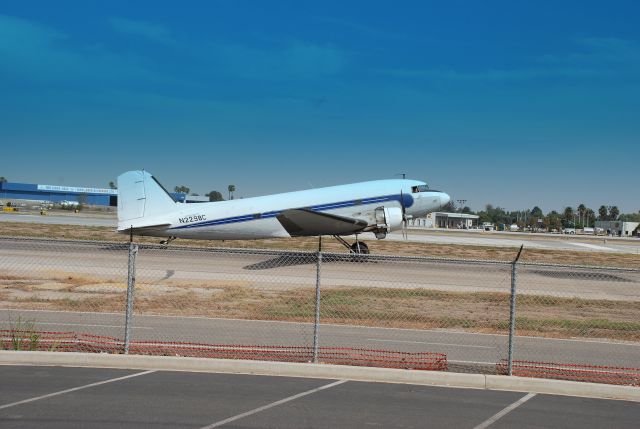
309, 370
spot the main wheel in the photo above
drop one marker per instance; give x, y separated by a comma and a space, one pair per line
360, 248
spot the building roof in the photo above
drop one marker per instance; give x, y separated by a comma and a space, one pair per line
457, 215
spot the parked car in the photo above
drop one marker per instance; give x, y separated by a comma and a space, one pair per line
569, 231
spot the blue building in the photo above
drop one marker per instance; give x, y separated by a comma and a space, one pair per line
55, 193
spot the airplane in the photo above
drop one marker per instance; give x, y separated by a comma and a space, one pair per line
146, 208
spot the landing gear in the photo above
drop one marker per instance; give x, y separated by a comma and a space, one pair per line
358, 247
167, 241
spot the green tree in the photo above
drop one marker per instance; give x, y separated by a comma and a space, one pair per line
537, 212
582, 209
590, 217
231, 189
181, 189
3, 179
553, 221
630, 217
215, 196
112, 185
614, 212
450, 207
602, 213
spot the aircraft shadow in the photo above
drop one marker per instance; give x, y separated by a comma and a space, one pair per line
296, 259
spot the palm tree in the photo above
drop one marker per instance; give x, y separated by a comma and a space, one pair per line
231, 189
112, 185
568, 215
582, 209
614, 212
589, 215
602, 213
2, 179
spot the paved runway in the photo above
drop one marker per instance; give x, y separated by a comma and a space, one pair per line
57, 397
52, 219
493, 239
271, 270
465, 351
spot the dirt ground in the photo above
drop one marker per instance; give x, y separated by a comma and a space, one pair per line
406, 308
383, 247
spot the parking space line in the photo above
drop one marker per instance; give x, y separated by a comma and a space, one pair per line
505, 411
73, 389
273, 404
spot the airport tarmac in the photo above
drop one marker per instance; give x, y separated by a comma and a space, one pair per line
476, 238
67, 397
289, 270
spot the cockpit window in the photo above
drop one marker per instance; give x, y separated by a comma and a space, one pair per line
420, 188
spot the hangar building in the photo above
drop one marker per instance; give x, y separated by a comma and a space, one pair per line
56, 193
446, 220
618, 227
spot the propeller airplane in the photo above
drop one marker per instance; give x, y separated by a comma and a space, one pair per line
146, 208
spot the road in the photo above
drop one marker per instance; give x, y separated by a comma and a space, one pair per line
58, 397
465, 351
493, 239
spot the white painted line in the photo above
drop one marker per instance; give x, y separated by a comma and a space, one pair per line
491, 420
273, 404
62, 392
593, 246
424, 342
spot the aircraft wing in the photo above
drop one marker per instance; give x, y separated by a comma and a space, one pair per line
305, 222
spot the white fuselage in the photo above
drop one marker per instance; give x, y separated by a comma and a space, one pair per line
255, 218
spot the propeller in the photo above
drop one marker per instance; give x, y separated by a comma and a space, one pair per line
404, 216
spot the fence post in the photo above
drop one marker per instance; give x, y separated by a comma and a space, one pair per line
131, 282
316, 323
512, 311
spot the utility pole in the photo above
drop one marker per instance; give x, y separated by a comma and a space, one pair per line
461, 204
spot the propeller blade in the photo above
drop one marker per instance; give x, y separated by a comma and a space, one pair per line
404, 216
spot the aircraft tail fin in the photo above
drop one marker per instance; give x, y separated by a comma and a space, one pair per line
141, 196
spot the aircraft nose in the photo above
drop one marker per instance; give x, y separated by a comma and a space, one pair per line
444, 199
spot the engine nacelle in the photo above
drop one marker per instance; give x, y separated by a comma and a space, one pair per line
393, 218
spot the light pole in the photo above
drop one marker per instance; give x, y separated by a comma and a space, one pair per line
461, 204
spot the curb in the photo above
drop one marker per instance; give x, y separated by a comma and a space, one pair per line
311, 370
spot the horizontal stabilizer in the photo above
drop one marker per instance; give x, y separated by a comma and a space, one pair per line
141, 230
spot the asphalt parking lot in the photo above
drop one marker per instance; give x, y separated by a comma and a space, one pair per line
52, 397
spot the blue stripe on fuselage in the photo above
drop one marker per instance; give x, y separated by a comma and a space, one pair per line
408, 202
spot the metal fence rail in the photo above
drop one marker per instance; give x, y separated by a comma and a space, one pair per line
508, 317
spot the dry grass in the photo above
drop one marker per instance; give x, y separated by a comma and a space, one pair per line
384, 247
399, 308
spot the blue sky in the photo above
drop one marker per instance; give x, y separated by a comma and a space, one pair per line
512, 103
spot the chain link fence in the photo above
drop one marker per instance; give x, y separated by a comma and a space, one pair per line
567, 322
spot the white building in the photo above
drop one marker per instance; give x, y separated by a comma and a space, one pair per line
445, 220
617, 227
